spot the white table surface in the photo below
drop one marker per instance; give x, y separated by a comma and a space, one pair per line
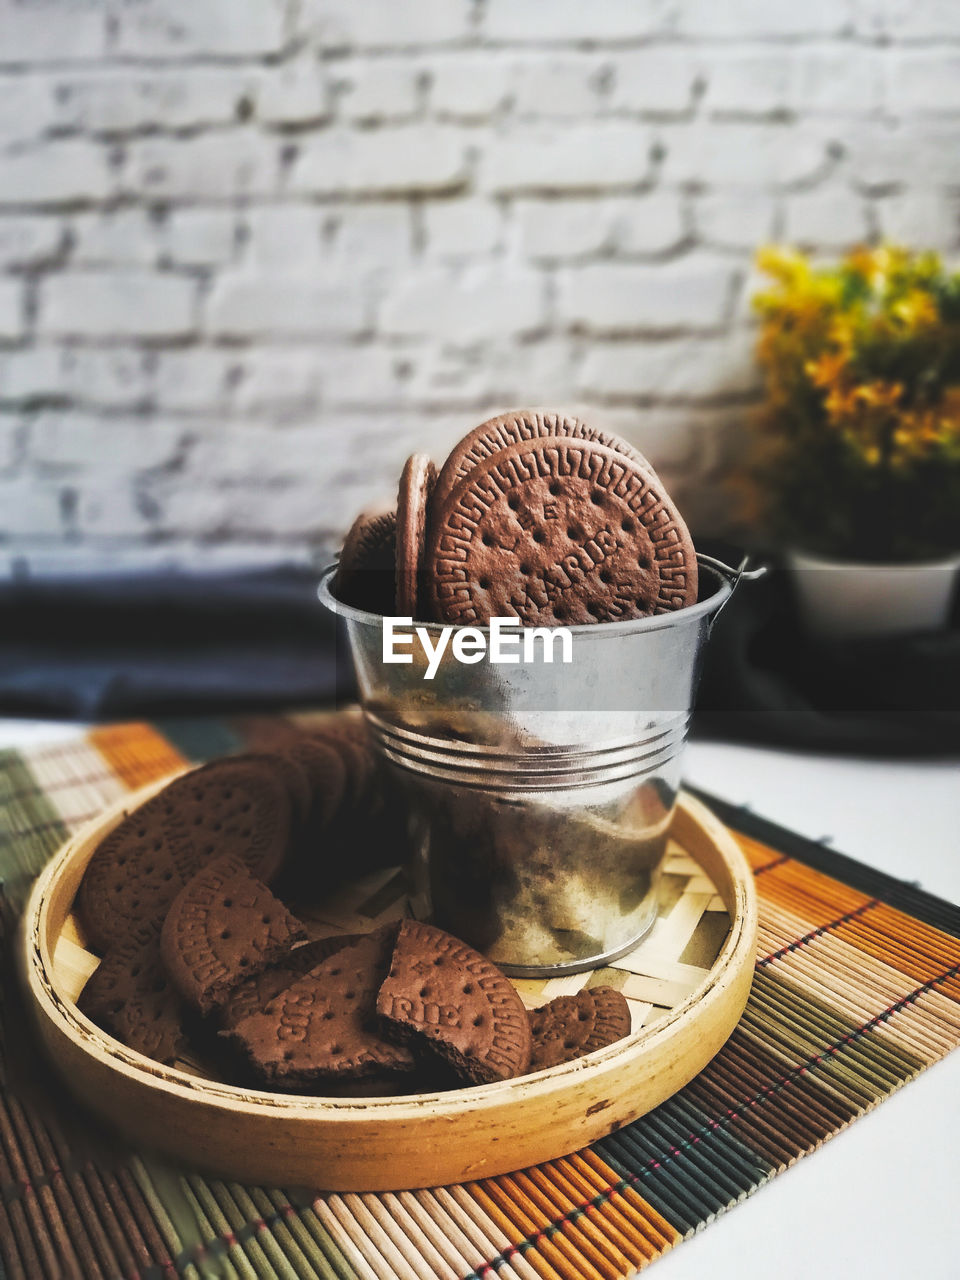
880, 1200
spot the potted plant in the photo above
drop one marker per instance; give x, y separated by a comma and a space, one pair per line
856, 466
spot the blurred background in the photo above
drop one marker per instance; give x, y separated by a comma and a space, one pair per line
252, 256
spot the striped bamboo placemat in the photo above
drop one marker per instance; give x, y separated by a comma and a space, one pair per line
857, 989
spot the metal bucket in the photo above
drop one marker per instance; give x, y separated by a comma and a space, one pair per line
540, 793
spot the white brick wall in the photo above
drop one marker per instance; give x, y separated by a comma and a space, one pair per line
251, 255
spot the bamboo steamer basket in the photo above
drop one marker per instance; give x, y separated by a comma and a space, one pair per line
383, 1144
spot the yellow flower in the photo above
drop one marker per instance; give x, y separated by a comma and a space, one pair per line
880, 395
785, 265
827, 369
916, 310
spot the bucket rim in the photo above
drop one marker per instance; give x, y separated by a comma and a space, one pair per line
724, 578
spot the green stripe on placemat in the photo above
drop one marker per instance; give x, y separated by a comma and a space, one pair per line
856, 991
31, 828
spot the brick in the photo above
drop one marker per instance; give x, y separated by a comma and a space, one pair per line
462, 228
828, 218
238, 453
567, 159
407, 159
116, 508
619, 297
77, 440
562, 228
27, 371
295, 93
26, 108
122, 236
26, 242
847, 81
929, 218
243, 304
276, 513
761, 80
542, 370
572, 20
383, 377
117, 304
366, 375
683, 369
369, 234
285, 382
375, 376
759, 18
179, 28
658, 81
464, 306
116, 101
647, 224
78, 33
58, 172
134, 237
377, 89
199, 237
753, 155
573, 228
384, 23
30, 510
881, 153
291, 238
11, 308
735, 219
906, 20
470, 85
838, 80
115, 377
927, 81
219, 166
197, 379
559, 86
284, 237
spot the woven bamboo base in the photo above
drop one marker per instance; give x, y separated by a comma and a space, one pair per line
687, 985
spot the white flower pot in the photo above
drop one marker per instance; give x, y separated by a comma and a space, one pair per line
844, 599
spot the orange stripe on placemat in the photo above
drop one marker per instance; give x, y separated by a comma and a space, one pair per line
136, 752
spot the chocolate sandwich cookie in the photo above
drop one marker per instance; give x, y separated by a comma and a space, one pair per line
444, 997
254, 994
349, 736
417, 481
322, 1028
326, 778
240, 804
366, 572
223, 927
133, 875
553, 531
512, 428
130, 995
295, 777
570, 1026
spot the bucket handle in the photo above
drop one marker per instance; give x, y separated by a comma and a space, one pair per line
742, 572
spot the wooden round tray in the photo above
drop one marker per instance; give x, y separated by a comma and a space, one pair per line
687, 985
